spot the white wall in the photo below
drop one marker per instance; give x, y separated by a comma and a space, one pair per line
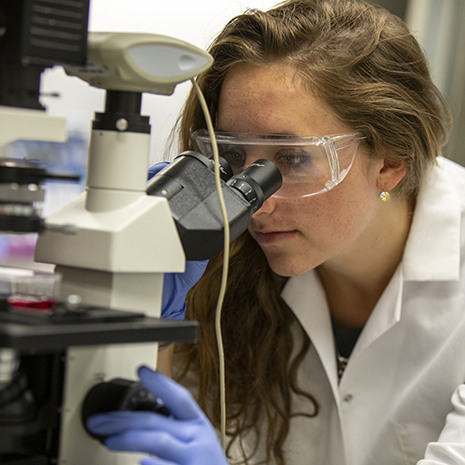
438, 26
196, 22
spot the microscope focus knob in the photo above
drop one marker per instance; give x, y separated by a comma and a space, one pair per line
119, 394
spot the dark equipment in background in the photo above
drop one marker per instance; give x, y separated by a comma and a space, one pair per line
34, 35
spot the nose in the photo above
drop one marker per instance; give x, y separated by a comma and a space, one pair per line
255, 153
268, 207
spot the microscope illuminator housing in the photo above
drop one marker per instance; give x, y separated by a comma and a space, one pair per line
140, 62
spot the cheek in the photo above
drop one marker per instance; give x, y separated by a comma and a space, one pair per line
328, 225
343, 213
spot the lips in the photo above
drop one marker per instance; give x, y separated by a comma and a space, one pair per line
272, 237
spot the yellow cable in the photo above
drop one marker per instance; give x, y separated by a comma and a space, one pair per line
224, 277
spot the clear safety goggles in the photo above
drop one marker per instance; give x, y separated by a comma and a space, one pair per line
309, 165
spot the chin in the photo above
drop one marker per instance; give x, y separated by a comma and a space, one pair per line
288, 268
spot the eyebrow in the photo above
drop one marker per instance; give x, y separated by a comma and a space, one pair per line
261, 133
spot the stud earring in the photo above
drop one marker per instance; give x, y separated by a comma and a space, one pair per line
385, 195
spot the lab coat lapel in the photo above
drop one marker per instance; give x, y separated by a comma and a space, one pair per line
432, 252
305, 295
385, 315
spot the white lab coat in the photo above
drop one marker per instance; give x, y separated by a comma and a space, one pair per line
401, 399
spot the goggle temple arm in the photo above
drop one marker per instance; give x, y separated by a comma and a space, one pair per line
333, 159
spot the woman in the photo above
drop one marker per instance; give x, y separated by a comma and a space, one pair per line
344, 319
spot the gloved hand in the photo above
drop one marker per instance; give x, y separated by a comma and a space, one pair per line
187, 438
154, 169
177, 285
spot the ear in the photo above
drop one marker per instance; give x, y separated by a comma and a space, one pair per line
390, 174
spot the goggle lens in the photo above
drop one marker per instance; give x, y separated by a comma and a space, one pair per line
309, 165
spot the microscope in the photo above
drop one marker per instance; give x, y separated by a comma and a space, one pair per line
112, 245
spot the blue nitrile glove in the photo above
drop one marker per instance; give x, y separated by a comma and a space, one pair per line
186, 438
177, 285
154, 169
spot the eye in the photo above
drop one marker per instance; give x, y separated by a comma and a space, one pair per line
293, 159
293, 162
235, 157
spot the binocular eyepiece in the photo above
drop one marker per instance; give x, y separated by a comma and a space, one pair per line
189, 186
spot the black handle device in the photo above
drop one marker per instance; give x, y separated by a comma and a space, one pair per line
118, 394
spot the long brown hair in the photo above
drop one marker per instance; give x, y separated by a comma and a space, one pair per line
367, 66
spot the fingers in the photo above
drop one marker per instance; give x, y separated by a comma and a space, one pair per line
119, 422
163, 445
155, 461
178, 399
115, 423
174, 439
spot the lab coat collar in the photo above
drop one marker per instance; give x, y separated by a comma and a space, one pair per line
306, 297
432, 251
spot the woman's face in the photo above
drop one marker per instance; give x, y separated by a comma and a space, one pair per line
300, 234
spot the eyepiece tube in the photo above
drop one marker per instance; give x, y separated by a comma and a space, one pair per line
190, 188
257, 182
